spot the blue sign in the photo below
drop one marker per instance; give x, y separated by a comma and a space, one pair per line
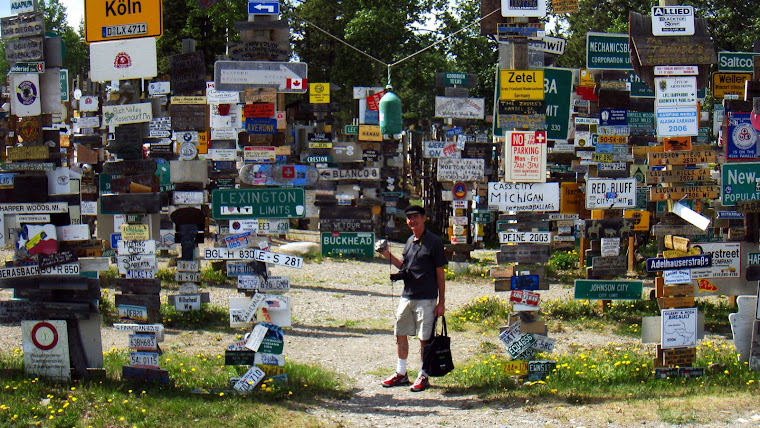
742, 138
610, 117
115, 238
263, 7
260, 125
452, 132
371, 117
655, 264
524, 282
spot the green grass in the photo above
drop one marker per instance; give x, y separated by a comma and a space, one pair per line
207, 318
485, 313
199, 395
211, 276
611, 372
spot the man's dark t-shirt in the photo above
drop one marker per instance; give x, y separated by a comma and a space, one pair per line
420, 259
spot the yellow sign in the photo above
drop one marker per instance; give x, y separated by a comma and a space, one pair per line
202, 145
106, 20
521, 84
640, 219
319, 93
188, 100
725, 83
135, 232
370, 133
570, 198
515, 368
587, 79
612, 139
327, 145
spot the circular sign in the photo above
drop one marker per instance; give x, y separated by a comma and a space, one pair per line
29, 129
459, 190
77, 94
744, 136
188, 151
26, 92
44, 336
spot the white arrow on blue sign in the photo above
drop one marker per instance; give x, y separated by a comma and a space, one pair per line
263, 8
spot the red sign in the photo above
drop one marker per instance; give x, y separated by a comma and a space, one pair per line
459, 190
524, 297
265, 110
373, 101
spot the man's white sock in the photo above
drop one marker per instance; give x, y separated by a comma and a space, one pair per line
401, 366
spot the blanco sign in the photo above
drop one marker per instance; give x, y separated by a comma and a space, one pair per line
460, 108
672, 21
461, 169
127, 113
123, 59
440, 149
610, 193
504, 196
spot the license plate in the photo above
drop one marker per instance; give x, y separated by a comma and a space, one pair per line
125, 30
148, 359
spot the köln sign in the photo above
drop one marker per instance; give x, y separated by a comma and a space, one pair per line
124, 19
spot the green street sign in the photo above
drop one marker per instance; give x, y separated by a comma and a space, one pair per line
736, 61
36, 67
351, 130
483, 217
348, 244
163, 172
558, 84
739, 182
317, 159
451, 79
638, 88
279, 202
603, 289
607, 51
753, 258
64, 77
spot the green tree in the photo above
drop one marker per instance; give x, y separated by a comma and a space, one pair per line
76, 54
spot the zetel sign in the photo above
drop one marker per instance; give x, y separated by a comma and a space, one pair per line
122, 19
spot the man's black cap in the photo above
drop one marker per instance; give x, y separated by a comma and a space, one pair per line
414, 209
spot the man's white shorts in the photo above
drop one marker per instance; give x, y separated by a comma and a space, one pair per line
415, 317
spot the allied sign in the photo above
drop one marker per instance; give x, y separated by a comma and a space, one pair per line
450, 169
504, 196
739, 182
610, 193
460, 108
110, 20
521, 84
525, 153
604, 289
348, 244
607, 51
288, 77
672, 20
284, 202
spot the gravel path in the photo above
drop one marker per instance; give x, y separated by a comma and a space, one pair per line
342, 320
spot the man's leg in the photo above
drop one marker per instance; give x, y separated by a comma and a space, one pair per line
402, 347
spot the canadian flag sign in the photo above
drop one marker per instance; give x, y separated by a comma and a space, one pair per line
296, 84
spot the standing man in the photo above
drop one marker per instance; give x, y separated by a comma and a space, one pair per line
423, 298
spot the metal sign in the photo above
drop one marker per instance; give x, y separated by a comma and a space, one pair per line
557, 95
677, 121
28, 67
525, 156
525, 237
369, 173
672, 20
230, 204
348, 244
288, 77
729, 83
521, 84
655, 264
736, 61
609, 193
603, 289
504, 196
739, 182
607, 51
263, 8
111, 20
742, 137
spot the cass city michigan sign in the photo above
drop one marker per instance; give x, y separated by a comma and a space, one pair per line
122, 19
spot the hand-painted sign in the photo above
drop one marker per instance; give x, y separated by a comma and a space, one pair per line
523, 196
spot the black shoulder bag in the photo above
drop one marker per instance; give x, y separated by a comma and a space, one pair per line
436, 358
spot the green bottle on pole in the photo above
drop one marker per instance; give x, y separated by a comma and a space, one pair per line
390, 112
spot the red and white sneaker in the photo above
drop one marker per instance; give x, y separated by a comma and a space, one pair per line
396, 380
420, 384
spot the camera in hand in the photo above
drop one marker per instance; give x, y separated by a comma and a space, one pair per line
401, 275
381, 245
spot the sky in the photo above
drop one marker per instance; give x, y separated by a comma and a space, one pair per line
74, 10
